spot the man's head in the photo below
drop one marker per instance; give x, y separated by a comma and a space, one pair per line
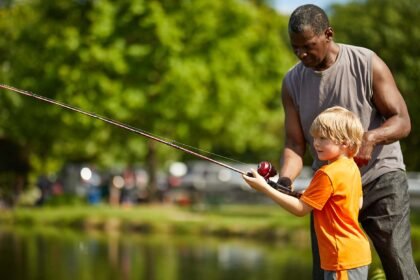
308, 16
311, 36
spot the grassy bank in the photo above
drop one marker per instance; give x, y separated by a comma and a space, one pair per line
260, 221
255, 221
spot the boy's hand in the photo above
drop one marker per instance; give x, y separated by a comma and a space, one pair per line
256, 181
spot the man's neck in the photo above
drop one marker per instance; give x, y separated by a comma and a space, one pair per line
330, 58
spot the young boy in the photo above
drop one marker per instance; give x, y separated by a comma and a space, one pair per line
334, 195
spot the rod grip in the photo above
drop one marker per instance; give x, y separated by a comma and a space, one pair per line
284, 189
280, 187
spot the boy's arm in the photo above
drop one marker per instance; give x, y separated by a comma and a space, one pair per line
290, 203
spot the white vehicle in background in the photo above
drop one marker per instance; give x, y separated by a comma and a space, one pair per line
414, 189
205, 182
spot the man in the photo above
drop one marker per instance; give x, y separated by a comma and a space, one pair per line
331, 74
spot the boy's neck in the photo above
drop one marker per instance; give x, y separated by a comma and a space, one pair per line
339, 157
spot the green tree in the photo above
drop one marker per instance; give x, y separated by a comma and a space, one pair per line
392, 30
206, 73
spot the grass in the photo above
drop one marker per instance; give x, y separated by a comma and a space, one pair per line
263, 221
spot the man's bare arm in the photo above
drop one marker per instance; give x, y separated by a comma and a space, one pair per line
295, 145
390, 103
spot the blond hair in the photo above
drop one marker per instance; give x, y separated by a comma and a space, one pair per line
340, 125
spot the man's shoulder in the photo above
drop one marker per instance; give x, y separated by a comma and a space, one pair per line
295, 70
356, 50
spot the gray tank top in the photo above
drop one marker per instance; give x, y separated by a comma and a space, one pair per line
347, 83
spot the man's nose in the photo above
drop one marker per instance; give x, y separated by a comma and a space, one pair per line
301, 53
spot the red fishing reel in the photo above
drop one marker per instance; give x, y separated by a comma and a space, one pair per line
283, 184
266, 170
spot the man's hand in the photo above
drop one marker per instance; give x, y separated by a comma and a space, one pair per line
365, 152
285, 182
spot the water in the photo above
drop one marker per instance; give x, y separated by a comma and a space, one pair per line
61, 254
46, 254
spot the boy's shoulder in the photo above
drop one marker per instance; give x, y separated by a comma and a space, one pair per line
339, 165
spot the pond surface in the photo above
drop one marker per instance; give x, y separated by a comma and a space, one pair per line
63, 254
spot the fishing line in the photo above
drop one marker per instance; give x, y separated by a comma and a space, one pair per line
191, 147
265, 169
144, 133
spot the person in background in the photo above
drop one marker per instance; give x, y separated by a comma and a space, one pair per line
44, 185
332, 74
334, 196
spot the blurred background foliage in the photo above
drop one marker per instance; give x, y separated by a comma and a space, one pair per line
204, 73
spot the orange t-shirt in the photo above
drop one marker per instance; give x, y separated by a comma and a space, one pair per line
335, 193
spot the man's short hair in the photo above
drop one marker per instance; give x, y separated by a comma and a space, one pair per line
308, 16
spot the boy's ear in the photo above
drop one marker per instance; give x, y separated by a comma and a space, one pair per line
345, 143
351, 147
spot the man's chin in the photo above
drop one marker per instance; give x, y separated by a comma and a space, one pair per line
309, 64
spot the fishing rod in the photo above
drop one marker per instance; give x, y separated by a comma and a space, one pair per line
265, 168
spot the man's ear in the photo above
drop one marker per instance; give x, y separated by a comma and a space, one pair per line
329, 33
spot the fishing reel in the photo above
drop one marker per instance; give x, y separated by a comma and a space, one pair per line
283, 184
266, 170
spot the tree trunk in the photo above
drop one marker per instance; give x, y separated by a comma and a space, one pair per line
151, 161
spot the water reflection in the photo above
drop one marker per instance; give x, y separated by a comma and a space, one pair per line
62, 254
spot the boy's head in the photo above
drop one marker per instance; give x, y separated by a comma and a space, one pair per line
341, 126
